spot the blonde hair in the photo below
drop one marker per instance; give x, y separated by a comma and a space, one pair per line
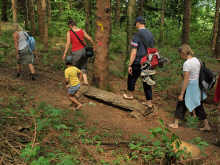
186, 50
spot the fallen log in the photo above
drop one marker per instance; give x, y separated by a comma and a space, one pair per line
114, 100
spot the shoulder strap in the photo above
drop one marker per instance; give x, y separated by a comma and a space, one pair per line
78, 38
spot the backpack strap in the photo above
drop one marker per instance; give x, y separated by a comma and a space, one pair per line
78, 38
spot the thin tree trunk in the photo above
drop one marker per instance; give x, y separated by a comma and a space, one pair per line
26, 22
186, 21
141, 7
102, 35
32, 16
162, 22
14, 10
130, 25
45, 23
71, 3
48, 11
217, 48
4, 9
40, 19
87, 5
118, 11
215, 26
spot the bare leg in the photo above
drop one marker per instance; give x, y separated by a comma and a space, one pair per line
74, 100
206, 126
85, 78
31, 67
18, 68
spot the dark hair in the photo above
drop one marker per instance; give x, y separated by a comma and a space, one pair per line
71, 22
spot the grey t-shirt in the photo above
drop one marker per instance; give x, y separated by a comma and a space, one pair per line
142, 40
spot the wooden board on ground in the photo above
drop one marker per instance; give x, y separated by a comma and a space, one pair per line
115, 100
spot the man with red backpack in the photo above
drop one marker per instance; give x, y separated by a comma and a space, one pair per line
142, 40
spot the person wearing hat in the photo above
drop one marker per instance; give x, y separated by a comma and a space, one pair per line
72, 80
141, 40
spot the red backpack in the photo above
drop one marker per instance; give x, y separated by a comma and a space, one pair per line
152, 56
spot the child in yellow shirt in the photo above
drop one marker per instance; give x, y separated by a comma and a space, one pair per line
72, 78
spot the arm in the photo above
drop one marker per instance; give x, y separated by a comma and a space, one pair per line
67, 82
185, 83
89, 39
67, 44
132, 58
80, 75
16, 37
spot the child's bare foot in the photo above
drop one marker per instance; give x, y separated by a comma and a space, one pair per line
173, 126
79, 106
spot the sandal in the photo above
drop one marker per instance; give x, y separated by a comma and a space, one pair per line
125, 96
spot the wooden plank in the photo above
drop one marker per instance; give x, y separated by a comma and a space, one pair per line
113, 99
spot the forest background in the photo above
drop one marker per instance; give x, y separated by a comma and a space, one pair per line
111, 24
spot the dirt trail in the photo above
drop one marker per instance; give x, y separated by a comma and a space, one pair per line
49, 88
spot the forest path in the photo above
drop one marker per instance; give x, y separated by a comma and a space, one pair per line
49, 88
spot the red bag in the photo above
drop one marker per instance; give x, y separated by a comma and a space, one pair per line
154, 60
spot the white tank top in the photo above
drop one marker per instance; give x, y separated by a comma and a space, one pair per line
22, 43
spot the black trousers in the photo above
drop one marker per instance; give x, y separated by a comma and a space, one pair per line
136, 71
181, 111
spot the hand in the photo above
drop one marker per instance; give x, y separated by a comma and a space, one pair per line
64, 57
67, 86
130, 70
17, 57
180, 97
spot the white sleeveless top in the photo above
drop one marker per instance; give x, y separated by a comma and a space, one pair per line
22, 43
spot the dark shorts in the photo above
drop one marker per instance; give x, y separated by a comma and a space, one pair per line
79, 59
73, 89
25, 56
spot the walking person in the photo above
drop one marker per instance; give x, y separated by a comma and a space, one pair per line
72, 80
78, 52
142, 40
190, 95
23, 53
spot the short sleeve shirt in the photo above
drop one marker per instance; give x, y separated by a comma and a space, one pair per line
141, 37
192, 66
71, 73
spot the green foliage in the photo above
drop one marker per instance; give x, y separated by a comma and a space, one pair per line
29, 153
200, 143
159, 145
192, 122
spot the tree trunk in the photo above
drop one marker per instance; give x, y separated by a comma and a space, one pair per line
45, 23
217, 48
32, 16
130, 25
40, 19
87, 5
4, 9
26, 13
14, 10
141, 7
102, 35
118, 11
162, 22
186, 21
215, 26
48, 11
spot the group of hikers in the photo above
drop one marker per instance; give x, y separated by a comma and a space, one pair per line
142, 41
